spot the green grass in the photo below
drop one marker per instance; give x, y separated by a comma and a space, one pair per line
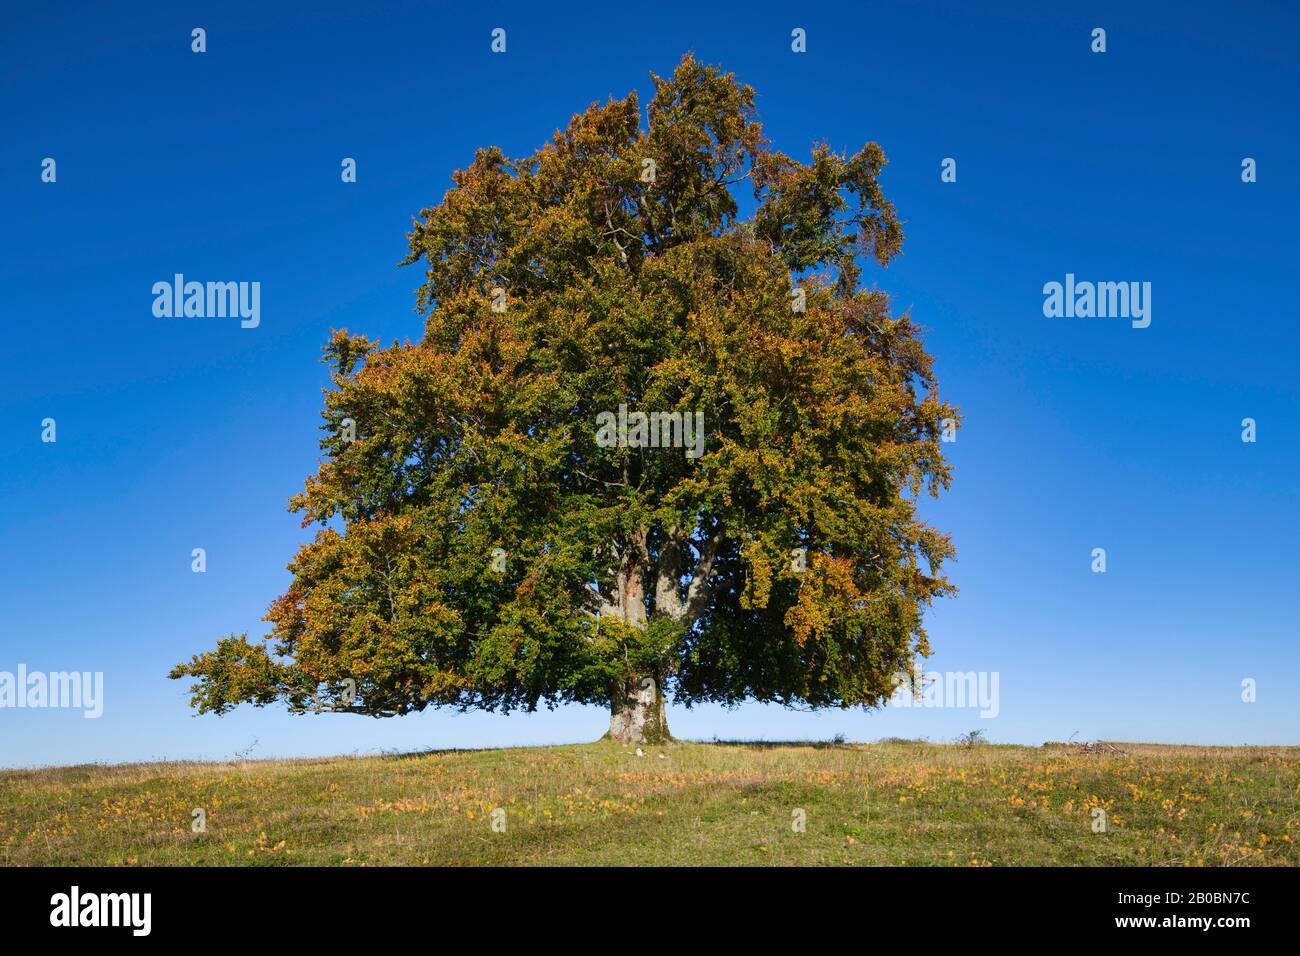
731, 804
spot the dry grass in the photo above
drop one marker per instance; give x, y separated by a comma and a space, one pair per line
891, 803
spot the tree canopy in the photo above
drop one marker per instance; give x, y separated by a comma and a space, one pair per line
481, 544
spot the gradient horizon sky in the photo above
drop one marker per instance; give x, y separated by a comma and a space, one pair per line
1079, 433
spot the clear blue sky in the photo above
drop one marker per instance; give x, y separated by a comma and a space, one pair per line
1081, 433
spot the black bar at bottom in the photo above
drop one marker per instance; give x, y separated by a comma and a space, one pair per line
256, 905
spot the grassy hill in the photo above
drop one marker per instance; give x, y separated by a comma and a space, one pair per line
685, 804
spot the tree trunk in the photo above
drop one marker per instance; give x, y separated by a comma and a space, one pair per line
637, 714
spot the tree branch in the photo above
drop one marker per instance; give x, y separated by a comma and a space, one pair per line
698, 591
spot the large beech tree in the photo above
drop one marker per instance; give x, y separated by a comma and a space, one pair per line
479, 547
